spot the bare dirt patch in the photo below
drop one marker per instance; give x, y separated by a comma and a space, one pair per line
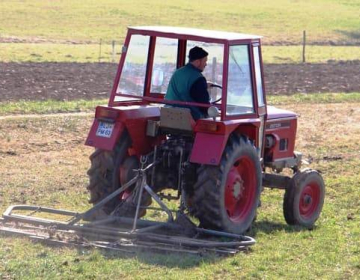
69, 81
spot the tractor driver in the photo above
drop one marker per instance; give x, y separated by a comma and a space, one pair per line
189, 85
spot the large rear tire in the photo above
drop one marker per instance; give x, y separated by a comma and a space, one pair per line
304, 198
105, 172
226, 197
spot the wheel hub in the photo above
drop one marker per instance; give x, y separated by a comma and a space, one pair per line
239, 191
238, 188
307, 199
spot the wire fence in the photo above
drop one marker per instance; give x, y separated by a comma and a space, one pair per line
305, 51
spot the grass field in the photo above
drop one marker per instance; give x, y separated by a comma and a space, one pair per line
43, 161
90, 20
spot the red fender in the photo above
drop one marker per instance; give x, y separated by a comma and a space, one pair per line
209, 145
208, 148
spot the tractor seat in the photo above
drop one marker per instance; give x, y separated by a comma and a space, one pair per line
175, 118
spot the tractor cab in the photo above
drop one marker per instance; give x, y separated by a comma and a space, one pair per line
152, 54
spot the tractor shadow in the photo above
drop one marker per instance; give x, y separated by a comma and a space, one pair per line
178, 260
273, 227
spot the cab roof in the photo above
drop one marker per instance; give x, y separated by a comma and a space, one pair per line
182, 32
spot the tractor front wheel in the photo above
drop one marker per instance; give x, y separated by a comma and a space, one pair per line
304, 198
226, 197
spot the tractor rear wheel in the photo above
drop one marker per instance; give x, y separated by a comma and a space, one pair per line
226, 197
304, 198
109, 169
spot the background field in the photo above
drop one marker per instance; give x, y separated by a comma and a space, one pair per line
43, 159
90, 20
71, 30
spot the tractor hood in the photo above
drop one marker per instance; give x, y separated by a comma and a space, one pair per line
276, 113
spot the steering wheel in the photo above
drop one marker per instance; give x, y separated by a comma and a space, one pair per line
216, 101
215, 85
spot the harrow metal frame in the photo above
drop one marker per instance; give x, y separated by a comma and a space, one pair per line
133, 233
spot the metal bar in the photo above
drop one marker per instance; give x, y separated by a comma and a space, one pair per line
220, 233
150, 228
247, 239
97, 206
157, 208
275, 181
192, 242
141, 189
158, 200
11, 208
8, 215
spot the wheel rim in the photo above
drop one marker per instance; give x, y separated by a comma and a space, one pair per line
240, 189
309, 200
125, 174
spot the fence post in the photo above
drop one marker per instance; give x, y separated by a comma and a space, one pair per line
304, 44
100, 50
113, 52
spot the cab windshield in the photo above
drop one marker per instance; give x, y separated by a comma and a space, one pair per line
132, 80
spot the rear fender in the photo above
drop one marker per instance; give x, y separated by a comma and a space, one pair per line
208, 148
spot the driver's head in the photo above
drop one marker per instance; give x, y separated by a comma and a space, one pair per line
198, 57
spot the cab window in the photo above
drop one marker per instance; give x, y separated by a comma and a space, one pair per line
164, 64
132, 78
259, 86
214, 70
239, 95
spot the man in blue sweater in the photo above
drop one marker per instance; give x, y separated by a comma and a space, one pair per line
188, 84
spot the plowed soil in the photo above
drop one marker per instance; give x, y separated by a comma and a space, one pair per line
68, 81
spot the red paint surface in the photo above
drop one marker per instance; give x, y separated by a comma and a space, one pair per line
309, 200
208, 148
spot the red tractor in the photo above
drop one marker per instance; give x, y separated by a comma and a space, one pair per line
218, 165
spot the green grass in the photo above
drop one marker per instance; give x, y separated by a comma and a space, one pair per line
48, 166
48, 52
278, 20
313, 54
51, 52
49, 106
313, 98
73, 106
